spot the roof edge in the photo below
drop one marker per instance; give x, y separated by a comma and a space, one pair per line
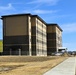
15, 15
39, 18
54, 24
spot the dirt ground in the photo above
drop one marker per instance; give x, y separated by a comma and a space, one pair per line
26, 65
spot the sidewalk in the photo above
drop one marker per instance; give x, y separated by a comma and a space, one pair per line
67, 67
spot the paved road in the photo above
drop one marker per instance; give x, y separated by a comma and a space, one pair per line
65, 68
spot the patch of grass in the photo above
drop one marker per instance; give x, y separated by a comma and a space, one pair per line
25, 58
1, 46
9, 67
26, 65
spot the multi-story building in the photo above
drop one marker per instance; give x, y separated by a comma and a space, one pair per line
26, 34
17, 34
54, 38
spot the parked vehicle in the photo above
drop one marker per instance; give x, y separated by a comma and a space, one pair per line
57, 53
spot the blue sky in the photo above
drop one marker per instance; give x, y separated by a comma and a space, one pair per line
62, 12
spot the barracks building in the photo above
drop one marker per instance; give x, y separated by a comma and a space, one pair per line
26, 34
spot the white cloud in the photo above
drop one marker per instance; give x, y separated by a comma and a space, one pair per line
51, 2
44, 11
8, 7
71, 27
38, 11
18, 3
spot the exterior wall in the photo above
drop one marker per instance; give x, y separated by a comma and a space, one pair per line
39, 43
54, 38
33, 35
51, 39
16, 35
58, 38
16, 25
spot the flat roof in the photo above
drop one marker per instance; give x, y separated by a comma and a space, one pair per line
39, 18
16, 15
54, 24
24, 15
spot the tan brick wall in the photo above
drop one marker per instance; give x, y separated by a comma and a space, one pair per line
58, 38
51, 29
33, 21
41, 31
16, 25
